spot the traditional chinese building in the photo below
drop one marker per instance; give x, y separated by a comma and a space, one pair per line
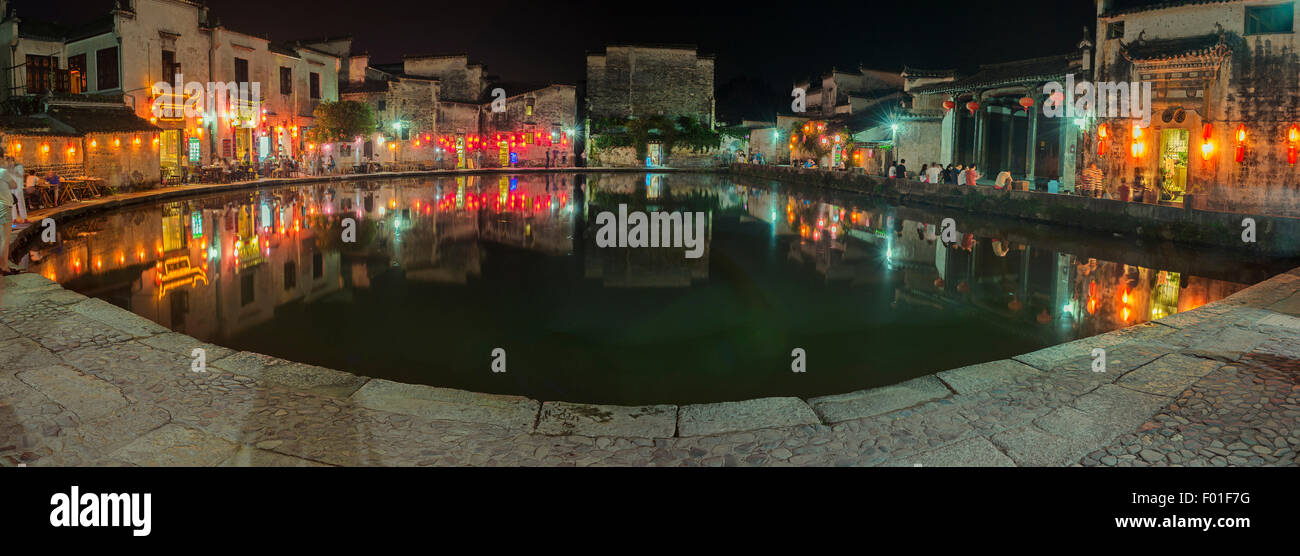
447, 112
666, 84
992, 118
141, 49
1225, 79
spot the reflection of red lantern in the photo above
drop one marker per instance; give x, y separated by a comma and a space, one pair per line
949, 104
972, 106
1027, 102
938, 283
1015, 305
963, 287
1044, 317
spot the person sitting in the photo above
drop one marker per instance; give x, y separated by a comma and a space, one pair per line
1003, 180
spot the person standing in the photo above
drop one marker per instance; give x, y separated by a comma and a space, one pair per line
6, 216
19, 177
902, 169
1092, 177
924, 176
893, 171
936, 173
972, 174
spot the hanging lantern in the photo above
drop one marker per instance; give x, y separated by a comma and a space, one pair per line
1103, 138
1027, 102
1139, 147
1207, 142
949, 104
1292, 138
1241, 143
972, 106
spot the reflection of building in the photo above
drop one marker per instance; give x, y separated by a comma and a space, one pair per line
217, 266
211, 268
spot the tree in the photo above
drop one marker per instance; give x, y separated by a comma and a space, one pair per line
341, 121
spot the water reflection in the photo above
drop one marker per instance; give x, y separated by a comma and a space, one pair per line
444, 270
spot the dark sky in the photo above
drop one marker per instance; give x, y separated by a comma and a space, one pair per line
774, 42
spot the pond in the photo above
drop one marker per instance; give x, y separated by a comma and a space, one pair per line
423, 280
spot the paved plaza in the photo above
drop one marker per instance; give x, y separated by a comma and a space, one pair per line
85, 383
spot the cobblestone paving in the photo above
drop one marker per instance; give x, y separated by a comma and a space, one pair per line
82, 383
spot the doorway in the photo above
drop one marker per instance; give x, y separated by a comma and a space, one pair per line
654, 154
169, 154
1173, 164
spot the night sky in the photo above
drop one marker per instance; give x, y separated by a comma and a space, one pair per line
763, 47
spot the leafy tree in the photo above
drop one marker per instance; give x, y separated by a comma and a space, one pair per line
341, 121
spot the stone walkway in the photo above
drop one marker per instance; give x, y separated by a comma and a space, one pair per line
85, 383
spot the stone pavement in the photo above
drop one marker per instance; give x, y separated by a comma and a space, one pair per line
85, 383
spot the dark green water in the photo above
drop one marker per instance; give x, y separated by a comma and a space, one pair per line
446, 270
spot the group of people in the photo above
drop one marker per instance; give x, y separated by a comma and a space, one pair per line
953, 174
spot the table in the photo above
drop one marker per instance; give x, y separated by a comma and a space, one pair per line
90, 185
49, 195
65, 191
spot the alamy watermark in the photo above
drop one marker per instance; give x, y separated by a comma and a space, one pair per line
75, 509
196, 100
657, 229
1128, 99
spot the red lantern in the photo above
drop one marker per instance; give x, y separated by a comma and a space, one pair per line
1103, 136
949, 104
1241, 143
1292, 137
1026, 102
1207, 142
972, 106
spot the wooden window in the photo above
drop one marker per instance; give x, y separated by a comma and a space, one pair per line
40, 73
286, 81
241, 70
106, 68
315, 85
170, 68
1115, 30
77, 69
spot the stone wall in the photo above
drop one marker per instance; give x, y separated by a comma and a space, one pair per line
459, 80
121, 161
631, 81
919, 142
625, 157
455, 117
